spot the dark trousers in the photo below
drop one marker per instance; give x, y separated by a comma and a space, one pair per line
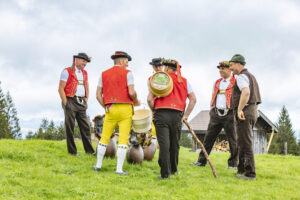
75, 110
216, 123
244, 132
168, 128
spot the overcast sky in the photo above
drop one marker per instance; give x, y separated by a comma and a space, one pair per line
39, 38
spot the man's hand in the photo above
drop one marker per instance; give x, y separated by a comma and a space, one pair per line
136, 102
185, 117
65, 102
241, 115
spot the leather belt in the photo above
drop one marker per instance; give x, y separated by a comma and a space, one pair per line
79, 100
221, 112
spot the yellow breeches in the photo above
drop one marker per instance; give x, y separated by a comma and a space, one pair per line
121, 115
153, 132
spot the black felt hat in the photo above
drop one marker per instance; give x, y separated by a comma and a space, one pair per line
121, 54
83, 56
156, 62
223, 64
170, 62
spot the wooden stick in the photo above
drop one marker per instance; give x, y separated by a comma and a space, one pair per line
202, 148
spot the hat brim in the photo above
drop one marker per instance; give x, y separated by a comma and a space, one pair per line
121, 56
226, 66
155, 64
243, 63
88, 60
171, 65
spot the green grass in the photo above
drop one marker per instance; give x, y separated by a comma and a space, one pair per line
37, 169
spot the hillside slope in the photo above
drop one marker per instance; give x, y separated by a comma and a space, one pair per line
36, 169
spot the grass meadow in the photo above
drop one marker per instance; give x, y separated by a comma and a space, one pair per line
38, 169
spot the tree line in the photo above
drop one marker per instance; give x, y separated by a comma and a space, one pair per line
9, 122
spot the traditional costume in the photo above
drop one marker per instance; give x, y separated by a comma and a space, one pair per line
221, 117
76, 91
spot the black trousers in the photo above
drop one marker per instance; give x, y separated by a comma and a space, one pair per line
168, 129
216, 123
244, 132
75, 110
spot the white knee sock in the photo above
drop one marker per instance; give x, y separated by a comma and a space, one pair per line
121, 154
101, 149
154, 140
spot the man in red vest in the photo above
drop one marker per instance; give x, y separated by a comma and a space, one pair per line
74, 93
221, 117
168, 114
116, 94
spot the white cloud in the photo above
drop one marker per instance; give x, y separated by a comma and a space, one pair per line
39, 38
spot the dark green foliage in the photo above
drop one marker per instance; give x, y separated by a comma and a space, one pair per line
285, 134
4, 128
9, 122
185, 140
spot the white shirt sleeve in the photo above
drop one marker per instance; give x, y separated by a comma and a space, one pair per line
100, 81
130, 80
189, 87
64, 75
242, 81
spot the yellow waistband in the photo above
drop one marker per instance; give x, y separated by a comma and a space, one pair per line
222, 92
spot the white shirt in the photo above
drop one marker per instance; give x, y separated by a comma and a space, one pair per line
130, 80
80, 91
242, 81
221, 98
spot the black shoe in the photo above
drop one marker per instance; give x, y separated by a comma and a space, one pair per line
242, 176
96, 168
175, 173
198, 164
161, 178
122, 173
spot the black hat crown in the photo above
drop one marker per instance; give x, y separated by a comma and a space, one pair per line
121, 54
156, 62
170, 62
83, 56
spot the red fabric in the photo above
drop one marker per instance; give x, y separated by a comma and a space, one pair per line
177, 98
228, 92
72, 82
115, 89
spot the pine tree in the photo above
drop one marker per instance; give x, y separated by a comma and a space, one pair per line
4, 126
285, 134
13, 121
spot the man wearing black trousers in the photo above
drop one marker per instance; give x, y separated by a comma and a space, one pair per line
74, 92
168, 115
221, 116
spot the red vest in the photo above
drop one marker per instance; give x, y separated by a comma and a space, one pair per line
115, 88
228, 92
177, 98
72, 82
